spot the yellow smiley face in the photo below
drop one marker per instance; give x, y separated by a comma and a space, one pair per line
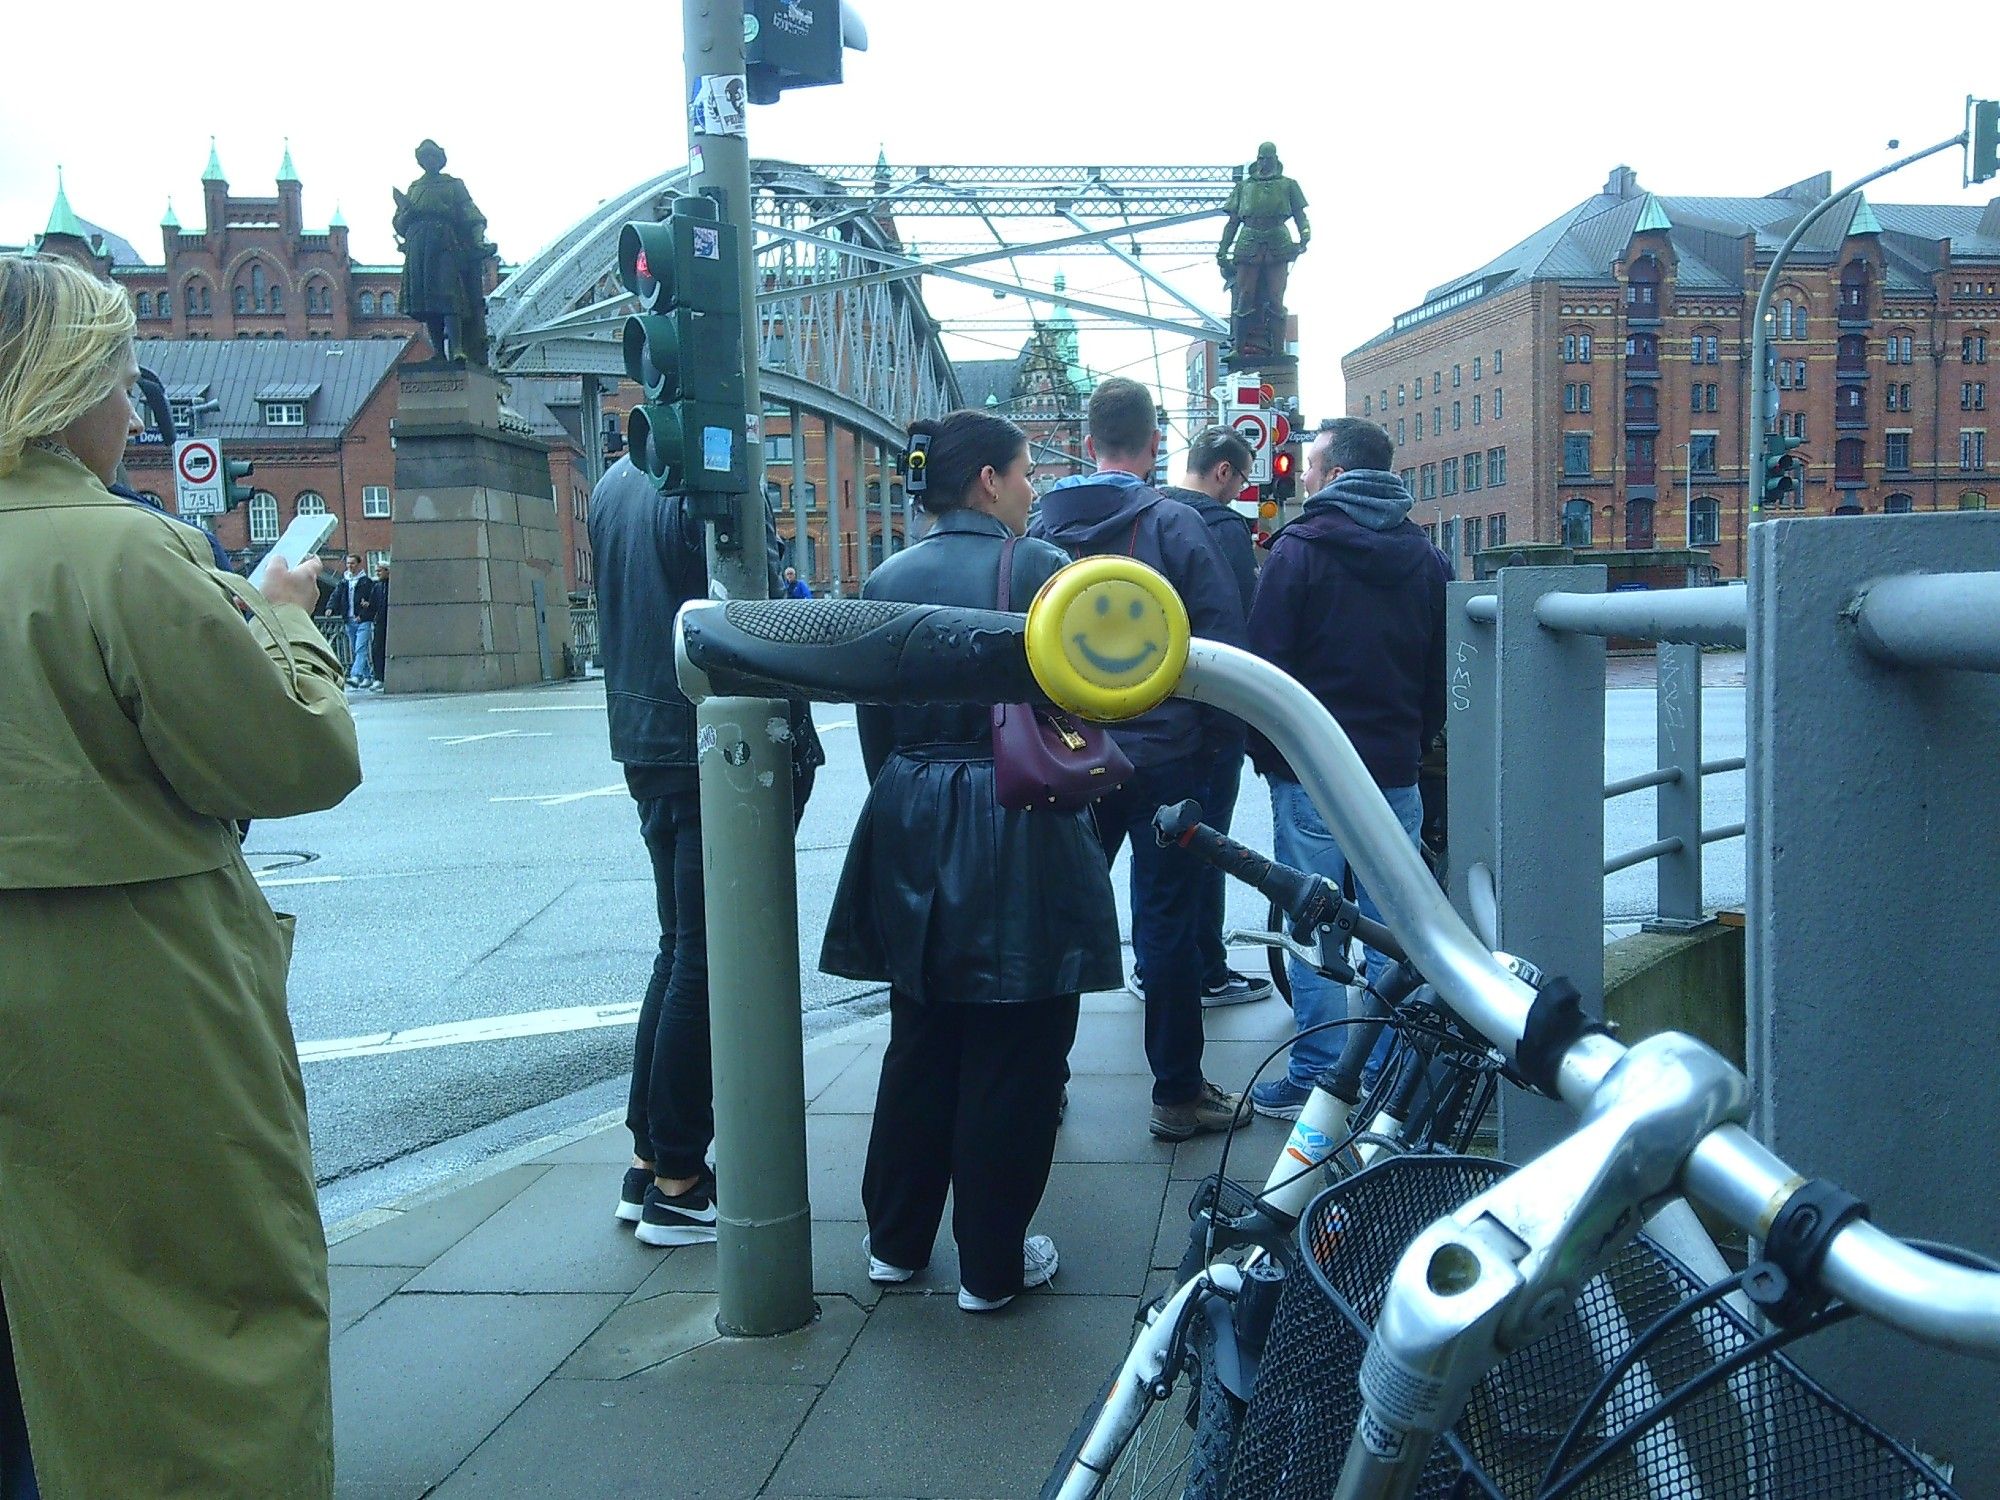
1107, 638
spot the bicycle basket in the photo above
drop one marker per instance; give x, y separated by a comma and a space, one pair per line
1767, 1432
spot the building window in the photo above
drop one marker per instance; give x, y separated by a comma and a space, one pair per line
1849, 458
165, 304
1447, 542
1437, 421
1496, 467
1399, 393
1450, 476
1898, 505
777, 448
1457, 376
1473, 465
1417, 428
1458, 413
1847, 405
378, 557
1569, 396
375, 501
1577, 519
1437, 382
1972, 396
1496, 405
309, 504
263, 517
1639, 458
388, 304
1472, 538
1478, 406
1475, 366
1694, 397
1399, 431
1714, 396
1892, 396
1972, 349
277, 299
1428, 477
1496, 361
1972, 449
1705, 522
366, 302
243, 302
1897, 349
1854, 290
1972, 500
1409, 478
1367, 406
1896, 452
1496, 529
145, 304
1642, 404
1638, 525
1576, 454
1701, 453
284, 414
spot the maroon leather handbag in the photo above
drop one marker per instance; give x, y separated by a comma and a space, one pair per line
1042, 757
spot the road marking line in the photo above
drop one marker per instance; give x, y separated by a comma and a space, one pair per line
498, 734
551, 708
481, 1029
558, 799
300, 880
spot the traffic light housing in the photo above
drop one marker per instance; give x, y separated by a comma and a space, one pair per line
685, 351
1781, 469
1982, 140
791, 46
233, 471
1285, 473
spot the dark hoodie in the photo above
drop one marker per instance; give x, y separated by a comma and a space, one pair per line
1116, 513
1351, 603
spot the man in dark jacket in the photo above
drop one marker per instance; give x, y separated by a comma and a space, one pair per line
1218, 467
650, 559
1171, 748
1351, 603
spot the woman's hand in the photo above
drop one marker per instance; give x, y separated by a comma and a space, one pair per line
300, 585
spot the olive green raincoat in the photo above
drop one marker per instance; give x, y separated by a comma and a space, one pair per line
161, 1256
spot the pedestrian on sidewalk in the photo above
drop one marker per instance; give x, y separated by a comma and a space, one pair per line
1173, 748
1351, 603
986, 923
651, 558
353, 603
162, 1269
1218, 468
380, 656
795, 586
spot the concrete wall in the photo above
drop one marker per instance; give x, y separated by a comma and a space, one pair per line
1690, 982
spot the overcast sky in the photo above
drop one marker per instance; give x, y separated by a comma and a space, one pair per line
1427, 137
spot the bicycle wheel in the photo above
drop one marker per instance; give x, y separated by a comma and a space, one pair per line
1180, 1447
1281, 966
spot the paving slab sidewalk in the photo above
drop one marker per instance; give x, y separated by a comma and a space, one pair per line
505, 1336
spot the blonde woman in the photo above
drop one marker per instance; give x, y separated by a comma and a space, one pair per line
162, 1269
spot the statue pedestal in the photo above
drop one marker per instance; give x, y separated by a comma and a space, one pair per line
480, 601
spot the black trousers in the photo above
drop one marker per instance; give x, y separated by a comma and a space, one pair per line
671, 1108
969, 1101
17, 1472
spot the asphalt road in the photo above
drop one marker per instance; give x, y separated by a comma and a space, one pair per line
476, 922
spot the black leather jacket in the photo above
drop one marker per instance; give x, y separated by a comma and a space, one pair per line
650, 560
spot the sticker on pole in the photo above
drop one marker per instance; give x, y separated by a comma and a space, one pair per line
707, 243
718, 449
1396, 1401
715, 105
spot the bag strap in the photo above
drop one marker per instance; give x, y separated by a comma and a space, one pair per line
1006, 574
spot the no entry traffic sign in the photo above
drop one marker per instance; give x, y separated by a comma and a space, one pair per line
198, 477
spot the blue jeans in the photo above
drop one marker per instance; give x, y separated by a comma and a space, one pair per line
1300, 839
1166, 911
360, 650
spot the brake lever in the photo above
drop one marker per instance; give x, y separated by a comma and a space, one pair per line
1238, 937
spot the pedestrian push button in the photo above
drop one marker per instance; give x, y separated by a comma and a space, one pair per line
1107, 638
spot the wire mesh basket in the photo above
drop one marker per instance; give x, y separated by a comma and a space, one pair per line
1767, 1432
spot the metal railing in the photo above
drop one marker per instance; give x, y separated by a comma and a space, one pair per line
583, 642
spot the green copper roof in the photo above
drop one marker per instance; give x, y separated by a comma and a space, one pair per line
1864, 220
286, 171
339, 220
213, 171
171, 221
62, 218
1652, 216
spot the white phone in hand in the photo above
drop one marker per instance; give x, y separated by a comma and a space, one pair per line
305, 536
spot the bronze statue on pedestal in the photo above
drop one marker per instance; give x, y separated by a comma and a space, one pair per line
445, 251
1260, 205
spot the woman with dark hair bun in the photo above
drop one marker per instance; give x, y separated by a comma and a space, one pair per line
985, 923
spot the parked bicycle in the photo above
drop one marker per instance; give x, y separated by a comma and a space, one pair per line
1437, 1324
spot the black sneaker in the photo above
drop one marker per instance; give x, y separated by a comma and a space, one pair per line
1235, 989
632, 1193
684, 1219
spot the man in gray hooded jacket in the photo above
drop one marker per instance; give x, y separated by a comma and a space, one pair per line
1351, 603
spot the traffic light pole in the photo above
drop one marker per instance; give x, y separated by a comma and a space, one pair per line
1760, 338
764, 1221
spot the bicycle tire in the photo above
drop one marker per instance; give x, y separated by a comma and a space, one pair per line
1186, 1440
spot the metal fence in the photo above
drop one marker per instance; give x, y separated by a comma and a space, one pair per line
583, 646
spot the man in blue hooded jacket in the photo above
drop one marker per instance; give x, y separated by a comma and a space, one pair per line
1172, 748
1351, 603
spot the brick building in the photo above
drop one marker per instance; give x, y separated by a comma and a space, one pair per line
1587, 388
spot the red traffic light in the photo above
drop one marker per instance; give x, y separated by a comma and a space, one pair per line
641, 267
1281, 465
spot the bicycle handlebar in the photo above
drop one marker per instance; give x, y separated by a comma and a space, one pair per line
875, 651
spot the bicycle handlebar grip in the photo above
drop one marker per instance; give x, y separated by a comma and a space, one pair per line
852, 651
1303, 897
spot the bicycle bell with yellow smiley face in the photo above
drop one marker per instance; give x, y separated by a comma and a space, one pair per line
1107, 638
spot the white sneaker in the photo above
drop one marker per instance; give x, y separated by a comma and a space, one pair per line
1038, 1268
881, 1272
